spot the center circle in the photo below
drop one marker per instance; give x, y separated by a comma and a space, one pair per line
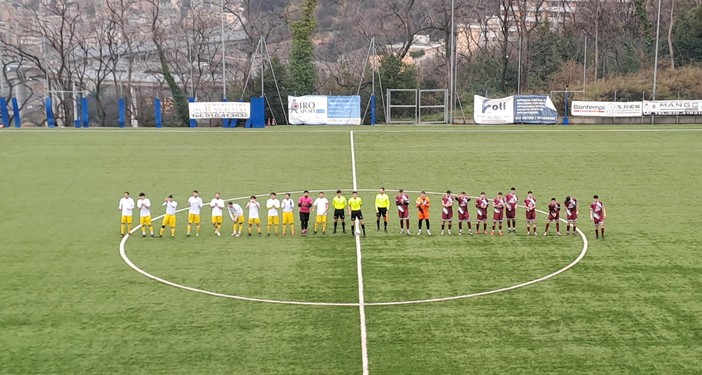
135, 267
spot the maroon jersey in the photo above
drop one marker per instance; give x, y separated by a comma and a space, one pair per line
530, 204
597, 208
572, 209
498, 205
512, 201
447, 207
482, 205
402, 201
463, 214
554, 211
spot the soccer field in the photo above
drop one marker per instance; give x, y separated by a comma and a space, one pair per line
71, 304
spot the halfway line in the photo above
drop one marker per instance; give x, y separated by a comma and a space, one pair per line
359, 269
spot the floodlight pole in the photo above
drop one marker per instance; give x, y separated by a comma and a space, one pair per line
224, 63
519, 66
585, 63
263, 66
2, 78
452, 64
655, 60
190, 61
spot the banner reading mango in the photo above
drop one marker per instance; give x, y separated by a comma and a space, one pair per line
606, 109
324, 110
493, 111
673, 108
228, 110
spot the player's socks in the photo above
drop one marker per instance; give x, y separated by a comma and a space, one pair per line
187, 229
335, 225
172, 232
597, 233
353, 228
492, 232
377, 224
363, 227
343, 226
121, 229
602, 230
386, 226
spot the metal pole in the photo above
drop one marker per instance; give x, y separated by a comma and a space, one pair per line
260, 46
224, 64
655, 60
190, 61
519, 69
585, 63
373, 67
2, 77
452, 83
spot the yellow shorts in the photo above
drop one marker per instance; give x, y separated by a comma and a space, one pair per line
216, 220
240, 220
145, 220
254, 221
273, 220
169, 220
288, 218
193, 218
321, 218
126, 220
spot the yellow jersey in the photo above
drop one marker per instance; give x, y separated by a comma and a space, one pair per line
382, 201
355, 204
339, 203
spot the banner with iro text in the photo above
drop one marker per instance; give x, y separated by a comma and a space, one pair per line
324, 110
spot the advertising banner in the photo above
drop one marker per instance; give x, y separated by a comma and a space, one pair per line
324, 110
534, 109
673, 108
228, 110
606, 109
493, 111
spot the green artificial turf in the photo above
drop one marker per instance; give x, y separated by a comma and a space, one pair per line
70, 304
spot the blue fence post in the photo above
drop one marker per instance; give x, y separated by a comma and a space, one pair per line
193, 122
50, 120
85, 115
258, 113
4, 113
120, 109
157, 113
566, 120
372, 109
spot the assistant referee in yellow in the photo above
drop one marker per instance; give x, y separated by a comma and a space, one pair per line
382, 204
339, 203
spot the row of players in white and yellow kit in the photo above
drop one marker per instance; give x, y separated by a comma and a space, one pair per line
195, 204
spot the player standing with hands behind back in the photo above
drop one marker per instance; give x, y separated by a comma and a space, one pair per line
512, 201
598, 214
382, 205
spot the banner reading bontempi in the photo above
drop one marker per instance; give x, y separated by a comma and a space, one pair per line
606, 109
204, 110
523, 109
324, 110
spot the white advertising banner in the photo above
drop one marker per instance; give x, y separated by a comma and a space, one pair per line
205, 110
324, 110
606, 109
673, 108
493, 111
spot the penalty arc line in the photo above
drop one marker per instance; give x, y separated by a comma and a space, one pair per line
359, 271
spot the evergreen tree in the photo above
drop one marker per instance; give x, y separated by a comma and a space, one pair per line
302, 70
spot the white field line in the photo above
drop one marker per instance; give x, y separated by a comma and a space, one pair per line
359, 271
383, 129
123, 254
136, 268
